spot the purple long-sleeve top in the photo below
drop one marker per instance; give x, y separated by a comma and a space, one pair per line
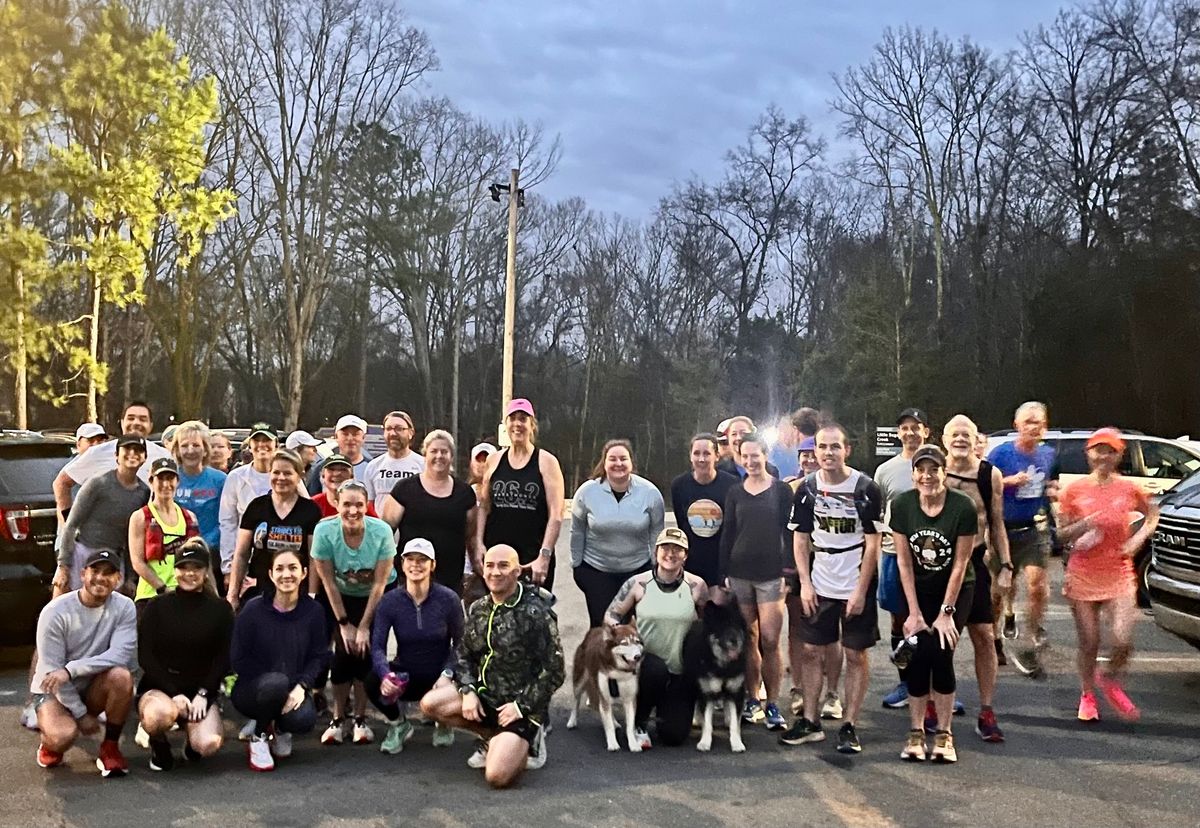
427, 634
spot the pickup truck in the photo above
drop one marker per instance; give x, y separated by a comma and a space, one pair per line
1173, 580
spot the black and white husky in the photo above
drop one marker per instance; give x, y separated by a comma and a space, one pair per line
714, 657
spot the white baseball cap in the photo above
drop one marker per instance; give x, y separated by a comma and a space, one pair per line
484, 448
419, 546
351, 421
300, 438
89, 430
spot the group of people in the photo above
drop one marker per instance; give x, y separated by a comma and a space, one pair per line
281, 575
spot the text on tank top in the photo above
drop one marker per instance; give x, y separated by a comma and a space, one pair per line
519, 513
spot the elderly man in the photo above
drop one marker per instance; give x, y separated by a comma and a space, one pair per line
510, 662
350, 432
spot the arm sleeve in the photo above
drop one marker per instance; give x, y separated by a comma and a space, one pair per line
578, 525
122, 645
728, 530
549, 655
322, 547
220, 664
241, 643
679, 508
381, 627
148, 659
227, 519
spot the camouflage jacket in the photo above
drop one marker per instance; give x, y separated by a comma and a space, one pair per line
511, 652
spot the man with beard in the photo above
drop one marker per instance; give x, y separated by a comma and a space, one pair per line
385, 471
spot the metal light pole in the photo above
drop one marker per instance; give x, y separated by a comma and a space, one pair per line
516, 198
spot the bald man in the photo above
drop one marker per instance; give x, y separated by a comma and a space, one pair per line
514, 631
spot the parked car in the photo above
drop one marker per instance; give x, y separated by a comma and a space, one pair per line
29, 462
1174, 577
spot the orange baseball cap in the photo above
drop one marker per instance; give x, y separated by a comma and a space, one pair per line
1106, 437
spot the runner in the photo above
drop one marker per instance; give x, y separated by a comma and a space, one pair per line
510, 663
349, 432
933, 528
353, 554
480, 453
1030, 483
439, 508
1095, 514
335, 471
755, 547
280, 645
200, 485
698, 500
736, 428
157, 530
88, 435
85, 642
522, 496
836, 542
385, 471
615, 517
183, 650
243, 485
427, 621
305, 445
980, 481
221, 456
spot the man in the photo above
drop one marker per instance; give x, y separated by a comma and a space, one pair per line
1030, 483
835, 539
510, 662
980, 481
88, 435
385, 471
737, 428
305, 445
893, 477
349, 432
242, 485
336, 471
86, 642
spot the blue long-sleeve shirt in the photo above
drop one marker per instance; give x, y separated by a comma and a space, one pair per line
616, 535
266, 640
427, 634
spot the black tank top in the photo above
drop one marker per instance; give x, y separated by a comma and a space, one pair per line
519, 512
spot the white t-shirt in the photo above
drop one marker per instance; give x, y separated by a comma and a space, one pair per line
831, 518
386, 471
894, 477
102, 458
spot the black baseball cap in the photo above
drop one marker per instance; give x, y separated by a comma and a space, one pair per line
194, 551
929, 452
263, 429
131, 439
102, 557
336, 459
913, 414
163, 465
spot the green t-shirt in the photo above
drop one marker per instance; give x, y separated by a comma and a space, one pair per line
354, 569
932, 539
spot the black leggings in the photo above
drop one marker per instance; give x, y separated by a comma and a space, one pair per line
672, 696
346, 666
417, 687
262, 699
599, 588
932, 666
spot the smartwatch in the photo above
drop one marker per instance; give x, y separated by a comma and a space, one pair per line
948, 609
345, 619
202, 693
546, 552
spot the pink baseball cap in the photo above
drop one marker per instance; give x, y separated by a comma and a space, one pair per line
519, 404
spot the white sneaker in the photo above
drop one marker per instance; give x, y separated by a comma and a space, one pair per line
479, 757
249, 731
142, 738
29, 717
363, 735
258, 753
281, 745
831, 707
538, 761
335, 734
642, 739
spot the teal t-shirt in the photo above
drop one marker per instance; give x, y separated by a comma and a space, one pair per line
354, 569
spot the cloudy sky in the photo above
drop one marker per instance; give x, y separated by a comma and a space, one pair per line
648, 92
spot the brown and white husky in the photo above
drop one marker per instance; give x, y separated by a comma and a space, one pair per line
606, 671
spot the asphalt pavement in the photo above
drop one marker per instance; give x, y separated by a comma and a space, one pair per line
1051, 770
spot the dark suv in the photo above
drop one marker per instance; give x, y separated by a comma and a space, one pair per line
29, 462
1174, 578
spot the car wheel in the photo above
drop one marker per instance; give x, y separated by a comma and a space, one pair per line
1141, 567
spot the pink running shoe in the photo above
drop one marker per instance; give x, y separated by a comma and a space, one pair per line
1114, 694
1088, 712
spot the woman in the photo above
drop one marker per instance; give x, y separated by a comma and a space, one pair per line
157, 530
242, 485
427, 621
665, 601
756, 547
440, 508
200, 485
698, 498
353, 555
280, 645
522, 497
183, 649
933, 528
1095, 517
220, 452
335, 471
281, 520
615, 518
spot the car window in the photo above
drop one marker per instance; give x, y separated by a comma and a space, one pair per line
1072, 457
29, 471
1164, 461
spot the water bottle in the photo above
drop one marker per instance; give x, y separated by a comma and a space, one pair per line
903, 653
400, 680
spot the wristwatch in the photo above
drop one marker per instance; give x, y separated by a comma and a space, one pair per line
948, 609
202, 693
345, 619
1007, 565
464, 689
448, 674
546, 552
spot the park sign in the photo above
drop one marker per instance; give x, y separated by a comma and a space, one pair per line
887, 441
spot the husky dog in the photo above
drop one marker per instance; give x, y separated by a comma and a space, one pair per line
606, 671
714, 657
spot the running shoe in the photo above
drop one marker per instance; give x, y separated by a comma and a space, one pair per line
1028, 663
538, 752
258, 754
774, 719
1010, 627
47, 758
847, 739
1114, 694
1039, 638
111, 762
29, 717
959, 708
161, 757
478, 757
943, 747
398, 732
931, 722
443, 736
249, 731
642, 739
898, 697
914, 747
335, 734
1000, 659
141, 738
797, 701
801, 732
831, 707
281, 745
362, 734
1088, 711
753, 713
987, 728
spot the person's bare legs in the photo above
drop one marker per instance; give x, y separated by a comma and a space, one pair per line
983, 640
770, 626
833, 658
360, 700
506, 757
1037, 589
207, 735
1123, 612
158, 712
58, 727
753, 654
112, 692
795, 644
1087, 629
341, 700
858, 677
